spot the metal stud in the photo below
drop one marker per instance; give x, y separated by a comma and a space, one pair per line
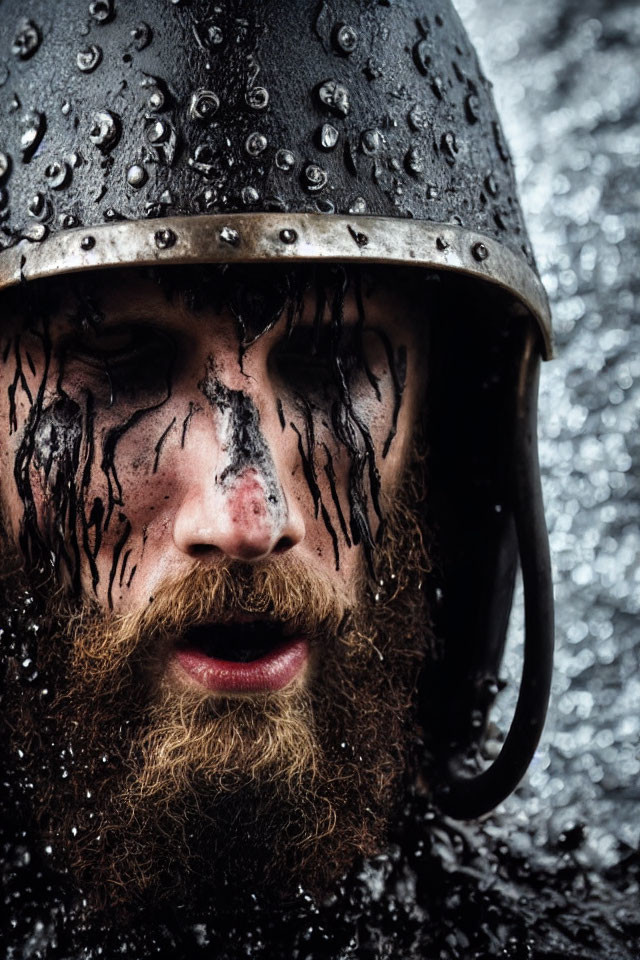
288, 236
480, 252
164, 239
88, 243
230, 236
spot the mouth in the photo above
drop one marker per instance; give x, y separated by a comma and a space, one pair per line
257, 656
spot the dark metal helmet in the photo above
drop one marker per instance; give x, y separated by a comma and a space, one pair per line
182, 131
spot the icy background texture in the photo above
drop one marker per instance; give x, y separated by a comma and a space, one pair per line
567, 85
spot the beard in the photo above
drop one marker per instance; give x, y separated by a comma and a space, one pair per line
146, 793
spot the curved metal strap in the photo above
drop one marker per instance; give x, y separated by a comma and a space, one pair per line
467, 797
282, 238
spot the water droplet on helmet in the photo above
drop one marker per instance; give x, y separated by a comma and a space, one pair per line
5, 166
421, 56
136, 176
141, 35
88, 243
328, 136
499, 141
325, 206
65, 109
4, 198
255, 144
39, 207
101, 10
35, 232
58, 174
230, 236
87, 60
491, 185
157, 132
105, 130
249, 196
414, 162
27, 40
257, 98
204, 160
480, 252
68, 221
112, 215
314, 178
441, 243
288, 236
437, 85
360, 238
418, 119
285, 160
4, 74
449, 147
33, 128
432, 192
359, 206
371, 141
472, 108
164, 239
335, 97
204, 104
345, 38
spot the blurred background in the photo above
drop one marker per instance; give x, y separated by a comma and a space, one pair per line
566, 76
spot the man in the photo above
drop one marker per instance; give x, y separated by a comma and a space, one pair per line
261, 479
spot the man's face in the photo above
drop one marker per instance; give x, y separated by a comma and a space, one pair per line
225, 674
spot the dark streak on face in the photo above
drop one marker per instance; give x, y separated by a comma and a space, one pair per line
242, 440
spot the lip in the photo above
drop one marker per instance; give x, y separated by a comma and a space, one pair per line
267, 674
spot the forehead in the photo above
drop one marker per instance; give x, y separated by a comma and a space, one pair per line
257, 294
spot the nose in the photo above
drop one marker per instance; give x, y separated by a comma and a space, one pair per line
233, 500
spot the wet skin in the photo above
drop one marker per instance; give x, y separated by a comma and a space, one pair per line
141, 438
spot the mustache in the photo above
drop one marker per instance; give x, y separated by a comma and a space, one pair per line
283, 589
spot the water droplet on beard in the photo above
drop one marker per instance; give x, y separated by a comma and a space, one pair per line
345, 38
230, 236
141, 35
257, 98
104, 132
335, 97
27, 40
256, 143
314, 178
88, 243
136, 176
285, 160
204, 104
480, 252
87, 60
249, 196
328, 136
58, 175
101, 10
165, 239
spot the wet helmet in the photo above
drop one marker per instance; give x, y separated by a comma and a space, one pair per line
167, 132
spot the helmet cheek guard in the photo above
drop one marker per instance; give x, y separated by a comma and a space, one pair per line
362, 133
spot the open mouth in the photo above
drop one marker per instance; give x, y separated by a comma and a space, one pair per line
236, 642
242, 657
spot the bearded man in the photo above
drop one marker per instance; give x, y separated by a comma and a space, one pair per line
270, 337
